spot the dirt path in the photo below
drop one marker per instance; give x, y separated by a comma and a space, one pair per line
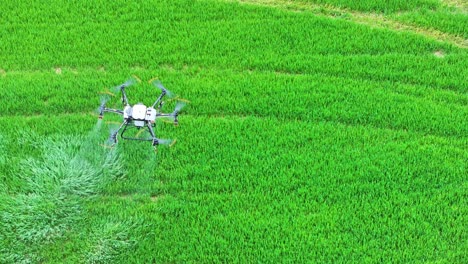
462, 5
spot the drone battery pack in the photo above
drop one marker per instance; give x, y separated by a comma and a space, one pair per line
150, 114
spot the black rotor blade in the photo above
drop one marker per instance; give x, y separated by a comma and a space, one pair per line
129, 82
126, 84
179, 107
104, 98
158, 84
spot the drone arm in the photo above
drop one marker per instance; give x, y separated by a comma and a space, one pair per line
110, 110
124, 96
159, 98
164, 115
173, 115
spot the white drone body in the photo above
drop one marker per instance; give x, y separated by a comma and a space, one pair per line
140, 116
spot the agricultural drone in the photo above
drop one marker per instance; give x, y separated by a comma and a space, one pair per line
139, 116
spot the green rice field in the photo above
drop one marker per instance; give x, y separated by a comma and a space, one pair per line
317, 131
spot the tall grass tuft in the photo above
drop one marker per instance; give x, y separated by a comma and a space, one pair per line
70, 169
109, 240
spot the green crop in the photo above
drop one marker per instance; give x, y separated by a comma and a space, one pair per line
380, 5
445, 20
53, 189
309, 136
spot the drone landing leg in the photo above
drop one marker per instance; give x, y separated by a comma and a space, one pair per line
150, 128
113, 136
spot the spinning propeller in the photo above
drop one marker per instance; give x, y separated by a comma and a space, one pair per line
177, 109
163, 89
126, 84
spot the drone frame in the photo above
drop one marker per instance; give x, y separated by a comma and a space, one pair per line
147, 124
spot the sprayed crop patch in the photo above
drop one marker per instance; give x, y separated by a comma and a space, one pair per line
50, 204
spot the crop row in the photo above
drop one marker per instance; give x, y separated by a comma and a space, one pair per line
314, 98
439, 73
102, 11
444, 20
380, 5
250, 188
447, 19
223, 34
